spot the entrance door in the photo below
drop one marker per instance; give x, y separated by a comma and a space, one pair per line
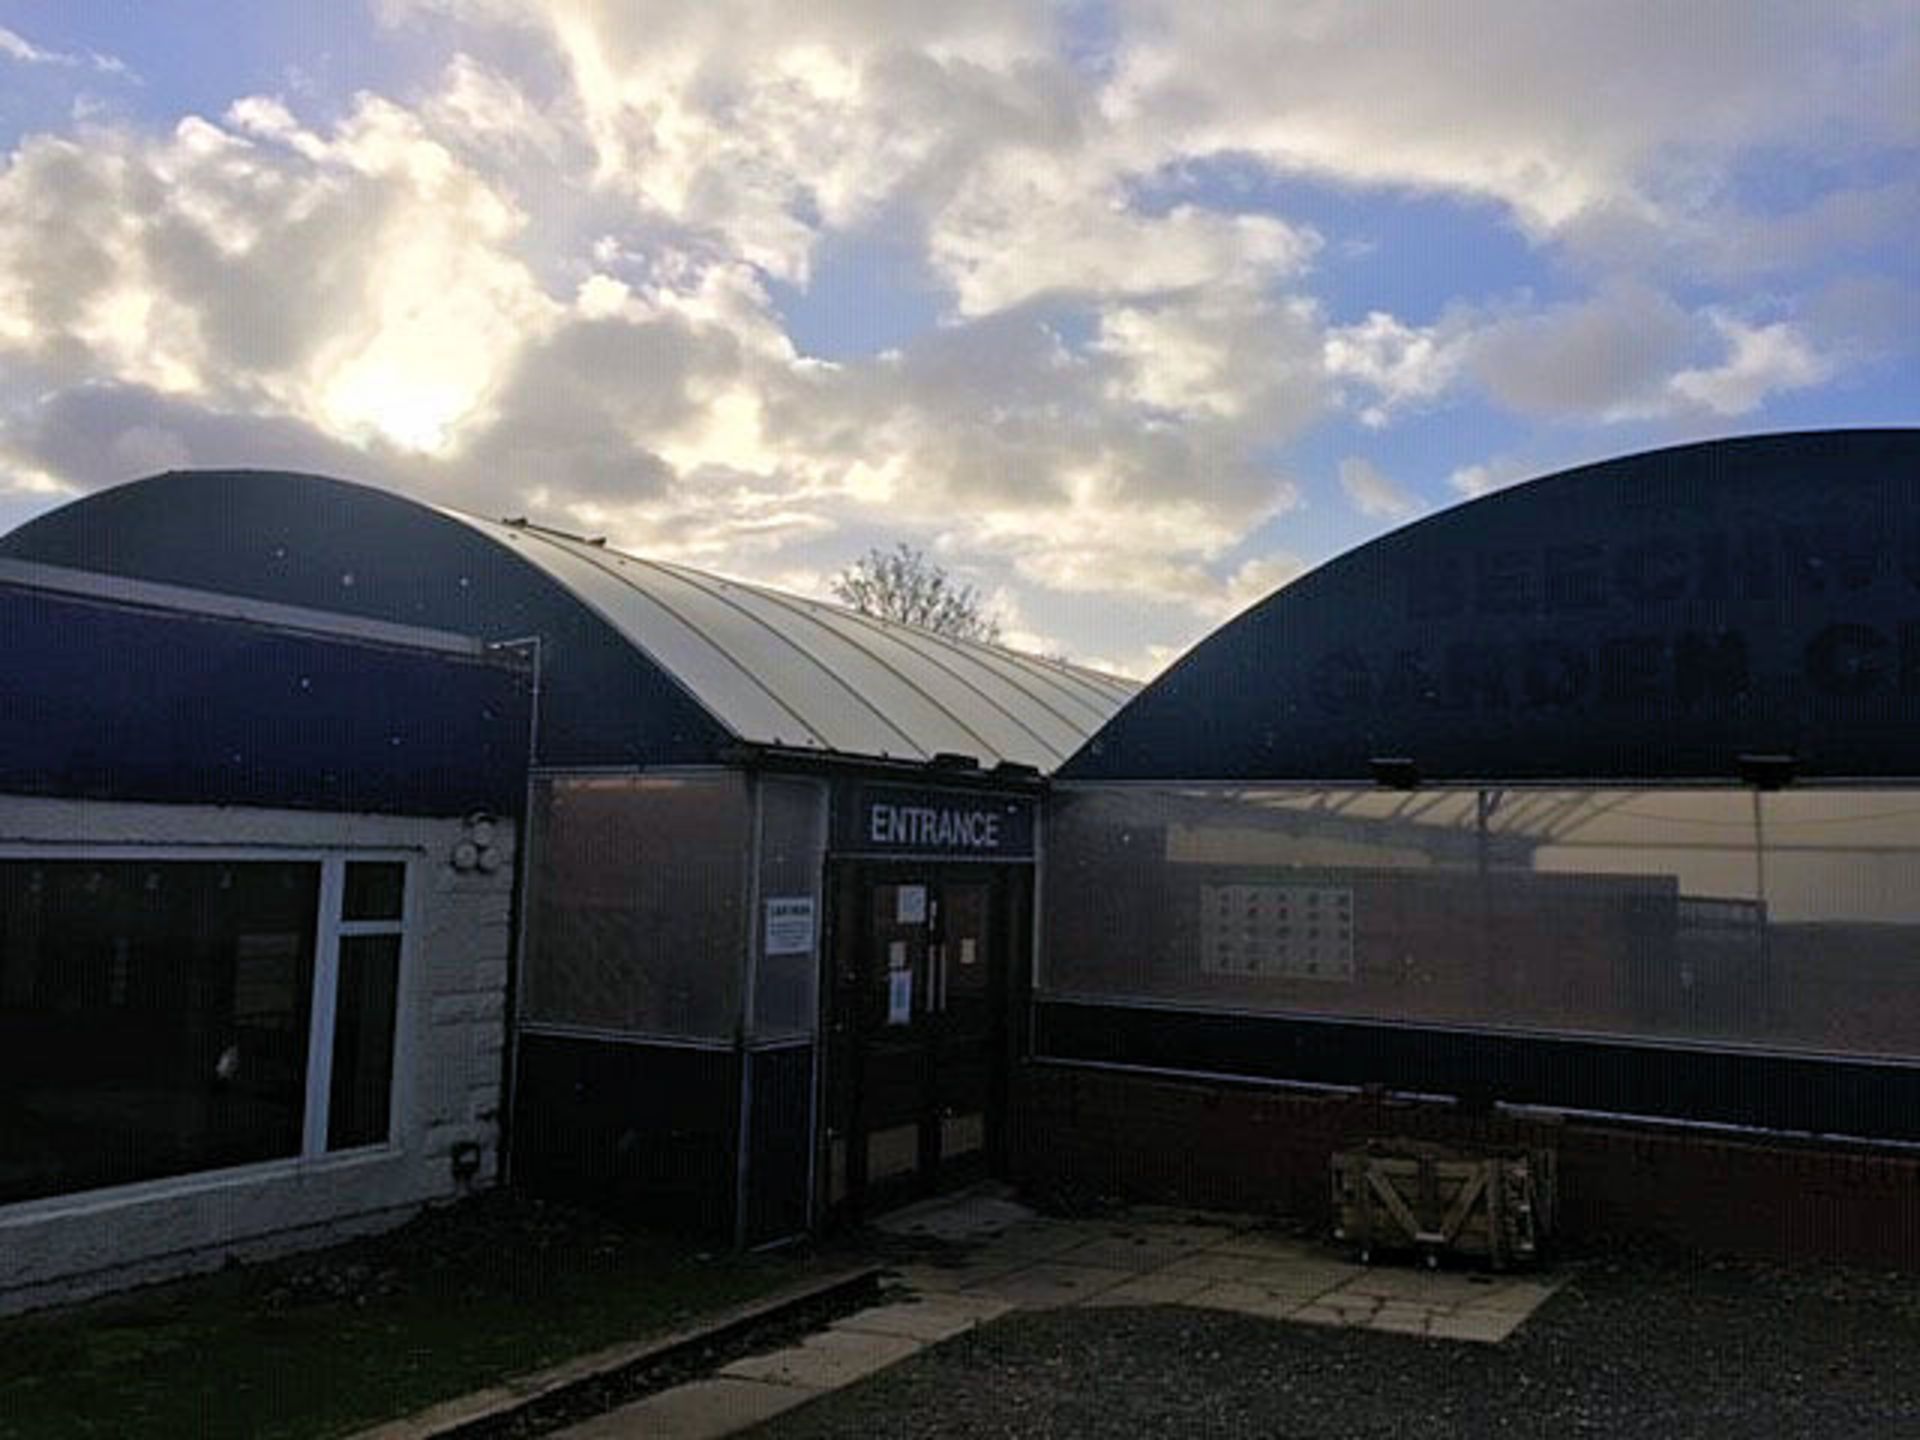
919, 1023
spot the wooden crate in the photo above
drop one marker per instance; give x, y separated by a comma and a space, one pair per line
1412, 1195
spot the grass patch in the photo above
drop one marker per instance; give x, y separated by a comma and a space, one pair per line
325, 1343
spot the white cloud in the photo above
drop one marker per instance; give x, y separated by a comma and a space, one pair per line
1226, 354
1470, 482
1553, 110
1400, 364
1254, 580
1374, 494
1023, 226
1761, 359
14, 46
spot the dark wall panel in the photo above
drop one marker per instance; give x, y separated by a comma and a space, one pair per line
111, 702
779, 1141
647, 1130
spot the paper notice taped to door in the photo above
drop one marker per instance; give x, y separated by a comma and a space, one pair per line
896, 955
900, 997
910, 905
966, 950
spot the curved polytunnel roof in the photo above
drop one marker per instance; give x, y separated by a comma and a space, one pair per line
1657, 617
643, 662
780, 669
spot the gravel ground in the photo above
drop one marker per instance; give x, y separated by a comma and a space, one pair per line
1638, 1345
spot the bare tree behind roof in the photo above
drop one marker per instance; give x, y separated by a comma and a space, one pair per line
902, 584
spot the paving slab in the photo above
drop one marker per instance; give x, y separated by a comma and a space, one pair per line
825, 1361
929, 1320
1246, 1300
1030, 1242
1262, 1246
1521, 1297
1313, 1276
1402, 1319
1158, 1288
1198, 1228
1425, 1286
1051, 1283
701, 1410
988, 1210
1489, 1326
1131, 1251
1217, 1265
1318, 1314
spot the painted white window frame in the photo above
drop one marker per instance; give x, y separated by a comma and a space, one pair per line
329, 929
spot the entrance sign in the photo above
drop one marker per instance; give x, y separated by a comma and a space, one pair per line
900, 820
789, 926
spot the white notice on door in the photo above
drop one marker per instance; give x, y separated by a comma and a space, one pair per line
900, 997
789, 925
911, 906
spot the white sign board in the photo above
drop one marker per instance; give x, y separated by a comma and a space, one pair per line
789, 925
1287, 932
911, 907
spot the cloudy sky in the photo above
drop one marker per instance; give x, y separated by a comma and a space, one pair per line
1126, 311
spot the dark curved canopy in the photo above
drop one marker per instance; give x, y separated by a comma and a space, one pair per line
1650, 618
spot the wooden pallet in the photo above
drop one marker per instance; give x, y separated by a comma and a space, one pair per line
1400, 1195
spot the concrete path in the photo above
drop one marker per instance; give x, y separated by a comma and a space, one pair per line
999, 1256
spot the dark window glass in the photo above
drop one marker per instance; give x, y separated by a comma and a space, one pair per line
374, 890
363, 1040
153, 1018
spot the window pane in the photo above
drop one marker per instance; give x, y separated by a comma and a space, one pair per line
358, 1107
793, 844
153, 1018
638, 916
374, 890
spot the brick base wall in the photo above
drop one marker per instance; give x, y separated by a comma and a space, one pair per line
1078, 1130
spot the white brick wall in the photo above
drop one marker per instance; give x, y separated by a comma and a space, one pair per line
447, 1073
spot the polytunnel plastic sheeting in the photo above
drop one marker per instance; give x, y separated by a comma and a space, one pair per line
1781, 921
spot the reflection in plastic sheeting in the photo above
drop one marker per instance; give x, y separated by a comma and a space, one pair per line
1787, 920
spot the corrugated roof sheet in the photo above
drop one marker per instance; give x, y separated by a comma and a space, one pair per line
781, 670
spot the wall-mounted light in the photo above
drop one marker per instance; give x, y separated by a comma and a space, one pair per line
1394, 772
1768, 772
